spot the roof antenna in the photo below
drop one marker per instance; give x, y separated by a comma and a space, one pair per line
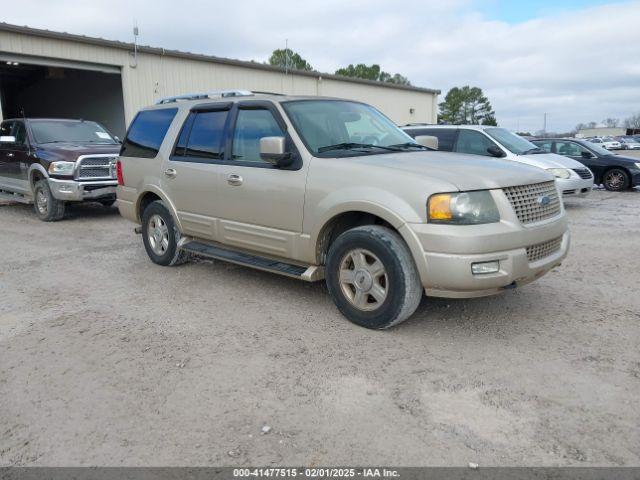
136, 32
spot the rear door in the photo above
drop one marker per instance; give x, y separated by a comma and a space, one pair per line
6, 130
194, 168
15, 158
260, 205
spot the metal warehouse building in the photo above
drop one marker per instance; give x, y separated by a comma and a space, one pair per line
53, 74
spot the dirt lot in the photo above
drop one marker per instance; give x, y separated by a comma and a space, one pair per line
107, 359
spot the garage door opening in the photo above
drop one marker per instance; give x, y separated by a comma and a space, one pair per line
60, 92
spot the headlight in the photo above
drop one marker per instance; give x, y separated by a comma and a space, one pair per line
62, 168
559, 172
464, 208
637, 165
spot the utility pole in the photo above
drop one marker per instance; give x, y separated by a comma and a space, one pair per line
544, 128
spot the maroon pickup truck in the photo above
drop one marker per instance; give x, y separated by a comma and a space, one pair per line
49, 162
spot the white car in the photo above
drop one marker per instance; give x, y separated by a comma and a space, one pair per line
629, 143
607, 143
572, 177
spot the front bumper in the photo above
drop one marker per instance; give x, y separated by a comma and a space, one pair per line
575, 186
71, 190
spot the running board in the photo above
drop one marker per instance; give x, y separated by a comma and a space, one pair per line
14, 197
310, 273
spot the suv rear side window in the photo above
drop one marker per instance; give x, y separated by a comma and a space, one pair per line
147, 133
206, 136
251, 126
445, 136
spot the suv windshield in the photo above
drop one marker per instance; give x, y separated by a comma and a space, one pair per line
52, 131
332, 128
512, 142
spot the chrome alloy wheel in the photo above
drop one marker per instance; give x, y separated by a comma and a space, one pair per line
158, 235
42, 202
614, 179
363, 279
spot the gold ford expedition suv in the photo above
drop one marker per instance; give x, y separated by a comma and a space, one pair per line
321, 188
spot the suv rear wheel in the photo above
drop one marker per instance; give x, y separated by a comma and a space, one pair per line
47, 207
372, 277
160, 236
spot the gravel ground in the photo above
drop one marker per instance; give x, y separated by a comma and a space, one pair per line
107, 359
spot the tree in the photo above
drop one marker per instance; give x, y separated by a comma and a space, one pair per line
372, 72
633, 121
611, 122
288, 59
467, 105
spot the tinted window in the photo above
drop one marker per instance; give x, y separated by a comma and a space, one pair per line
543, 144
251, 126
147, 133
475, 143
569, 149
205, 139
20, 133
446, 136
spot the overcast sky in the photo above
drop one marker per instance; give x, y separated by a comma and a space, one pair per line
578, 61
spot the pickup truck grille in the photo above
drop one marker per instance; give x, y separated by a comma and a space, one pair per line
544, 249
535, 202
583, 172
96, 168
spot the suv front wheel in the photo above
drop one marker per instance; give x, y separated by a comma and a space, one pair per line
372, 277
160, 236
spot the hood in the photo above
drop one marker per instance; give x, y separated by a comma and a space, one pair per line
71, 151
549, 160
465, 172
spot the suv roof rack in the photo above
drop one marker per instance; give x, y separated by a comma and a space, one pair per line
417, 124
202, 96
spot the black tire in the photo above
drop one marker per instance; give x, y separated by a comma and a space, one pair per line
616, 180
46, 206
402, 282
107, 203
171, 255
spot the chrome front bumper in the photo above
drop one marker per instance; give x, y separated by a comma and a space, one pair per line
71, 190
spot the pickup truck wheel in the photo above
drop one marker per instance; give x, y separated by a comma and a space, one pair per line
372, 277
160, 236
47, 207
616, 180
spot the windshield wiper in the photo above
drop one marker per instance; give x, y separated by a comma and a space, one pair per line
352, 146
533, 150
410, 145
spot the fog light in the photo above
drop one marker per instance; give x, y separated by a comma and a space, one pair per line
482, 268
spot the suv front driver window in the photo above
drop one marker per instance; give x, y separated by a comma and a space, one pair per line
251, 126
475, 143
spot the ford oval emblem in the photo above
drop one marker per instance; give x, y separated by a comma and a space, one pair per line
544, 200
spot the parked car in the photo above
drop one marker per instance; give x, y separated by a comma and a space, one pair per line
614, 172
315, 188
49, 162
609, 144
486, 142
629, 143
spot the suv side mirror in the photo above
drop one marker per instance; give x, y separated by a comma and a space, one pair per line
494, 151
7, 139
586, 154
427, 141
272, 150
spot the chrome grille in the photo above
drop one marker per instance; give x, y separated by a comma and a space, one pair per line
583, 172
96, 168
535, 202
544, 249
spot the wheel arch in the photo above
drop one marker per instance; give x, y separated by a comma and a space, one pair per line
36, 172
150, 194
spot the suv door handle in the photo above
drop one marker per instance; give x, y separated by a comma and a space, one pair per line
234, 180
170, 172
10, 154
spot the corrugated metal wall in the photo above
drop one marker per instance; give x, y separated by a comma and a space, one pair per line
154, 76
